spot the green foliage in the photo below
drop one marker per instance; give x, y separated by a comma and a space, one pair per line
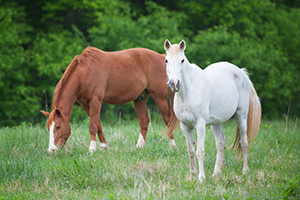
15, 93
40, 38
50, 54
119, 27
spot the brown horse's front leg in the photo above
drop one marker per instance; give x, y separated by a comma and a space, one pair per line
144, 119
95, 124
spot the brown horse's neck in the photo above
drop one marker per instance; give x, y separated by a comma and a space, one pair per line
66, 101
66, 91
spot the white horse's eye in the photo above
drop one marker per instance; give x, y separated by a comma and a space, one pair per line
182, 60
166, 60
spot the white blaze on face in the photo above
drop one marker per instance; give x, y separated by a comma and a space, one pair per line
52, 146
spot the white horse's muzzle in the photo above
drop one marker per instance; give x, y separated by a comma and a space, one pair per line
174, 85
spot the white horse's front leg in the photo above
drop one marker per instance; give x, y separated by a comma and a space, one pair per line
189, 135
220, 144
200, 128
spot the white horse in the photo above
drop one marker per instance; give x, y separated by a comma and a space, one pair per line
210, 97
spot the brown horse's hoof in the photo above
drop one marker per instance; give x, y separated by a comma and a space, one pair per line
141, 142
103, 146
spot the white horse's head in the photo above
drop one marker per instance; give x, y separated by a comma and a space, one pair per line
175, 61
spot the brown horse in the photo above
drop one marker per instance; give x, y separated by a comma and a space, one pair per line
95, 77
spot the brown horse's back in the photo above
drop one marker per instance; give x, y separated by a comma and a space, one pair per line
120, 77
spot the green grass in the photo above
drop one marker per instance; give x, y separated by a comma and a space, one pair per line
27, 171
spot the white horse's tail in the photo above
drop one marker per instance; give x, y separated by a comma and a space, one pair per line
253, 119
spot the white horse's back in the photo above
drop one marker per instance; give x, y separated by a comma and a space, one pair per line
230, 88
226, 73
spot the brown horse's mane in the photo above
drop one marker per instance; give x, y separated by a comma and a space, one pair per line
59, 87
88, 56
85, 59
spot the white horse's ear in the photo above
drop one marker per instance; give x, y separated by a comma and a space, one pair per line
167, 44
182, 45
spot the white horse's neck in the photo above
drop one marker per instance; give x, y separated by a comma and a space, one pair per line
189, 80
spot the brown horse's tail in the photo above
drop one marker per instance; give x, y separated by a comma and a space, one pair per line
173, 123
253, 120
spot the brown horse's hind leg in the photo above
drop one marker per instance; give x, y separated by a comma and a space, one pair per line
162, 103
144, 119
101, 137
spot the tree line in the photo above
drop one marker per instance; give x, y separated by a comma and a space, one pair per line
40, 38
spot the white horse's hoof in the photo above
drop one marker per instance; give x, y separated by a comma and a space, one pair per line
141, 142
245, 170
201, 179
172, 143
216, 173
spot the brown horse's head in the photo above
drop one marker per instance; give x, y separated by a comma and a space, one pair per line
58, 127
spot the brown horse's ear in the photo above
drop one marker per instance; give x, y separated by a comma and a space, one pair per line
45, 113
167, 44
182, 45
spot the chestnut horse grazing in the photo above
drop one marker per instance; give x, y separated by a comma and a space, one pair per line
95, 77
211, 97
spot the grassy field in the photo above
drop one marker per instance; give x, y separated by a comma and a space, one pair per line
27, 171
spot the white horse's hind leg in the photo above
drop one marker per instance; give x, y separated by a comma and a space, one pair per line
220, 144
242, 124
200, 128
190, 147
172, 143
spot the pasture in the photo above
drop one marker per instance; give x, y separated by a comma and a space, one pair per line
28, 171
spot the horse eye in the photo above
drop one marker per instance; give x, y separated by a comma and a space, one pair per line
58, 127
166, 61
182, 60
